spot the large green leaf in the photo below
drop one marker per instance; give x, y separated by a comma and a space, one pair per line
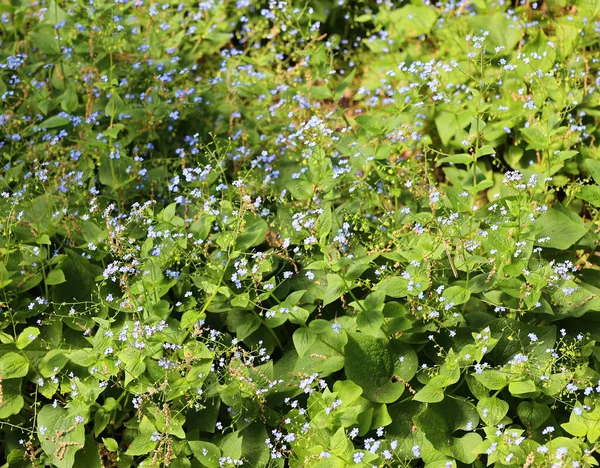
521, 386
27, 336
502, 31
448, 125
13, 366
433, 391
411, 21
593, 167
492, 379
60, 435
80, 275
45, 41
562, 230
590, 193
114, 105
336, 287
303, 339
115, 173
142, 444
533, 414
254, 448
440, 420
394, 286
375, 364
402, 415
253, 235
492, 410
232, 444
12, 399
242, 322
463, 448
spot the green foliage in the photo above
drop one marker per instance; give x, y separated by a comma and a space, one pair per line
304, 234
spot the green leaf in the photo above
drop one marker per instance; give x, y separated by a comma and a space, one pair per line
370, 321
206, 453
301, 189
45, 41
53, 360
355, 271
593, 167
295, 297
298, 315
535, 137
141, 445
133, 360
56, 276
463, 448
405, 359
433, 391
252, 236
514, 340
370, 363
62, 436
340, 88
540, 46
114, 105
113, 172
335, 288
83, 357
11, 404
373, 123
347, 391
462, 158
323, 226
375, 300
12, 399
54, 122
457, 295
590, 193
532, 414
560, 228
449, 124
478, 390
339, 443
110, 444
69, 99
576, 428
27, 336
303, 339
364, 18
101, 420
440, 420
521, 386
492, 379
492, 410
485, 150
254, 448
113, 132
55, 13
412, 21
88, 457
231, 445
243, 322
403, 415
395, 286
13, 366
502, 31
81, 279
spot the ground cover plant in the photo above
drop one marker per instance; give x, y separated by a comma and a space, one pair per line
319, 234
